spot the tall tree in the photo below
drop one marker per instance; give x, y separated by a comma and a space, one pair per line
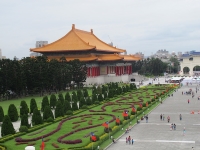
45, 102
12, 113
23, 108
47, 113
78, 72
24, 121
61, 98
1, 114
7, 126
33, 105
59, 109
67, 97
53, 101
36, 118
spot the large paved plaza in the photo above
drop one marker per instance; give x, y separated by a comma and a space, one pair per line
156, 134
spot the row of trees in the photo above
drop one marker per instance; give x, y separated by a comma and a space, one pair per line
154, 66
60, 106
39, 75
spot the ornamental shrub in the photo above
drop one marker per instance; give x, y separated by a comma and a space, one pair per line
53, 101
1, 114
66, 106
61, 98
127, 88
23, 108
143, 105
126, 117
59, 112
50, 119
23, 129
45, 102
97, 102
149, 102
107, 130
105, 95
89, 101
24, 121
79, 94
74, 106
139, 108
94, 97
36, 118
12, 113
82, 102
85, 93
67, 97
69, 112
133, 113
100, 98
47, 113
7, 126
84, 107
99, 90
33, 105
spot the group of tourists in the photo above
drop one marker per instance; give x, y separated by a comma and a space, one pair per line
129, 140
172, 127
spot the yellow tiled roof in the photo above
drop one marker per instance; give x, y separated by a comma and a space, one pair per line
73, 57
131, 58
77, 40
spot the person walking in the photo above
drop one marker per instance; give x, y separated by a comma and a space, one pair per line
174, 126
147, 119
168, 119
126, 140
129, 139
132, 141
184, 131
161, 117
180, 116
188, 101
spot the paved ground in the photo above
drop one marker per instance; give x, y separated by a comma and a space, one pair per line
156, 134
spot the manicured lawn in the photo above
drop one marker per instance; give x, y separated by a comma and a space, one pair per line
38, 99
97, 115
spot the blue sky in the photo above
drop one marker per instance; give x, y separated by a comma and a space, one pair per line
135, 25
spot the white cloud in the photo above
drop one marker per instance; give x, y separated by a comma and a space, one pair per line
144, 26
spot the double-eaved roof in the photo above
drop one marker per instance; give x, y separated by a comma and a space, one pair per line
78, 40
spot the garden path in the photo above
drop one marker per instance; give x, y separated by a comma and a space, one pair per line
156, 134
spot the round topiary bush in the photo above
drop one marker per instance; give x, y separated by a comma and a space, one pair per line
133, 113
50, 119
126, 117
97, 102
84, 107
139, 108
107, 130
23, 129
69, 112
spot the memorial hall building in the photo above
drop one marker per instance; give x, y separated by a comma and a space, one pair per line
104, 62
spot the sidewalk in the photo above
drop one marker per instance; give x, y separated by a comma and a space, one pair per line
156, 134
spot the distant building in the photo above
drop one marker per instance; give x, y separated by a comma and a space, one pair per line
190, 59
140, 54
2, 57
41, 43
37, 45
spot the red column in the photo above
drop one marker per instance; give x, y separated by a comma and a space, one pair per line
131, 69
107, 69
122, 69
95, 71
88, 71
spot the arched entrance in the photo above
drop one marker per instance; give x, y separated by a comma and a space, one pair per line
196, 70
186, 70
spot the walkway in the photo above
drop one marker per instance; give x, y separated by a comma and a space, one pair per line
156, 134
